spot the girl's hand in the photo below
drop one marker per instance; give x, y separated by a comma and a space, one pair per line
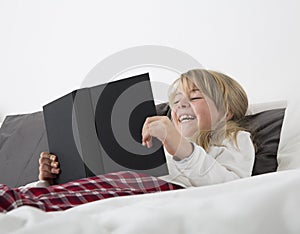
49, 167
163, 129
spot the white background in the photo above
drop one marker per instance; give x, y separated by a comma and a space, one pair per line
47, 47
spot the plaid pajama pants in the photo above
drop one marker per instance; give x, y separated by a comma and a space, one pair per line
68, 195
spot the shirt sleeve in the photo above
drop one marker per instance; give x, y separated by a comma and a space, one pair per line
37, 184
220, 164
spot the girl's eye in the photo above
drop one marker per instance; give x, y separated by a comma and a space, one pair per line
175, 102
195, 98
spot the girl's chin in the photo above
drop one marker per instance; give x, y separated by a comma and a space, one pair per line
187, 129
188, 132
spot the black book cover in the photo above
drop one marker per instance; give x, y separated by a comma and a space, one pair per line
97, 130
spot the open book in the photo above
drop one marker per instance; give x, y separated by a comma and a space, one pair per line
98, 130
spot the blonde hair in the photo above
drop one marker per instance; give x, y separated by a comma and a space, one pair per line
228, 96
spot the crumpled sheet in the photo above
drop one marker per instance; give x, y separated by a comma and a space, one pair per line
268, 203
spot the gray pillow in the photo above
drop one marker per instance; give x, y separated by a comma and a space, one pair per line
22, 138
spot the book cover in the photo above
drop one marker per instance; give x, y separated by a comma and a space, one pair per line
98, 130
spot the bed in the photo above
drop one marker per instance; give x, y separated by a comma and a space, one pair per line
267, 202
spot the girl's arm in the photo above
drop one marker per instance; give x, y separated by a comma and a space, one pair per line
219, 165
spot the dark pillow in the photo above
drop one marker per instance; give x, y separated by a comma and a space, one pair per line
265, 128
22, 138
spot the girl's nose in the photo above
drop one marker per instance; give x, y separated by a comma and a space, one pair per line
183, 103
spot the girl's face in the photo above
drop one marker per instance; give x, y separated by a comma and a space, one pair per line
192, 112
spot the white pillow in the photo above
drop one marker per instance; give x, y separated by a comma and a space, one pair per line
288, 155
289, 146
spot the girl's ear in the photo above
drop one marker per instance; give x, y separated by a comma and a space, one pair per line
229, 115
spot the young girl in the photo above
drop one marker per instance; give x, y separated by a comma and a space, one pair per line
204, 142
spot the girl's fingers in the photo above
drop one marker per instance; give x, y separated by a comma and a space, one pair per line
149, 143
146, 137
55, 171
49, 166
54, 164
145, 132
48, 156
44, 161
48, 175
45, 167
49, 159
150, 129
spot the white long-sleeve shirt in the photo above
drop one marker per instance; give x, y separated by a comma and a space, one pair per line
219, 164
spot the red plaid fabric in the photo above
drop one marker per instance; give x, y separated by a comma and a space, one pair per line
65, 196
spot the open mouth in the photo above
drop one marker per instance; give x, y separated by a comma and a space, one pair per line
185, 118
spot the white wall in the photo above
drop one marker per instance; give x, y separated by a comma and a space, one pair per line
47, 47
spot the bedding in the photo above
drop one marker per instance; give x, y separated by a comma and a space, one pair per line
265, 203
71, 194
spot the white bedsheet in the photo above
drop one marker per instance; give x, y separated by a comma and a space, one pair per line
267, 203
